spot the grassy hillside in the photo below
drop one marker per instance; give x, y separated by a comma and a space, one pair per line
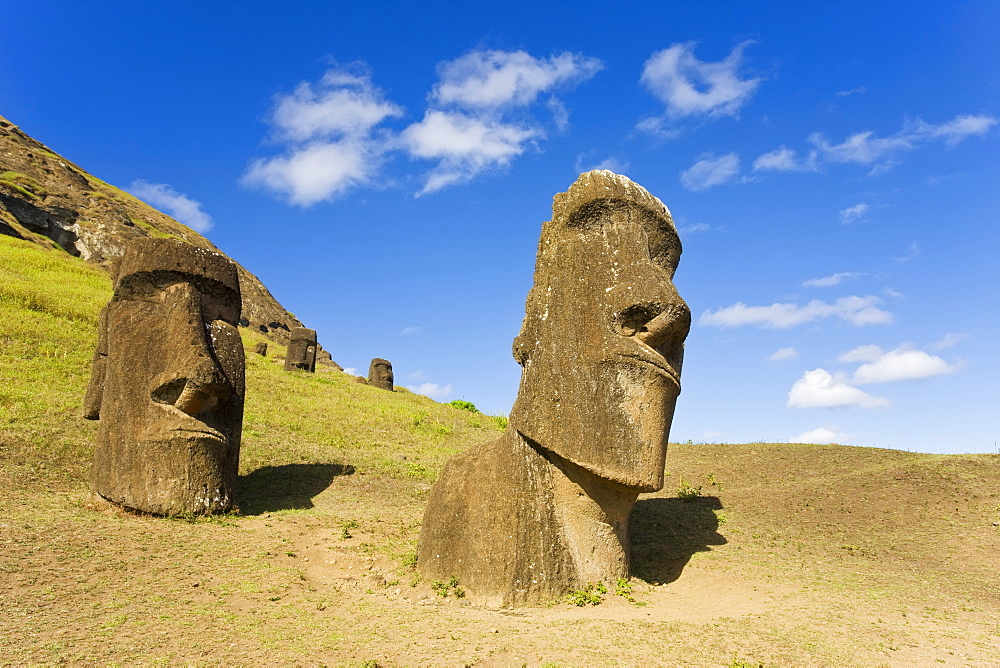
755, 554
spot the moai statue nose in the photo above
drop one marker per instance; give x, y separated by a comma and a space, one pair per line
196, 384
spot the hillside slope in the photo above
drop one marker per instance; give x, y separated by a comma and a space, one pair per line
50, 201
756, 554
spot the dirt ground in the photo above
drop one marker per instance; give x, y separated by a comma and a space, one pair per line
787, 555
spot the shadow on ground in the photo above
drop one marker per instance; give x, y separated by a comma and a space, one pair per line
665, 533
272, 488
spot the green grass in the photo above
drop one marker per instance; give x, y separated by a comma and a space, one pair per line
49, 303
23, 184
299, 428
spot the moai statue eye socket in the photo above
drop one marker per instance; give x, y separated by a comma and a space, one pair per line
168, 381
545, 508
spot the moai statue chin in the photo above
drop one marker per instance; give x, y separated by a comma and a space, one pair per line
380, 374
167, 381
301, 350
544, 509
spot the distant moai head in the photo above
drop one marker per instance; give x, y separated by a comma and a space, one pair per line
603, 335
301, 350
168, 381
380, 374
261, 349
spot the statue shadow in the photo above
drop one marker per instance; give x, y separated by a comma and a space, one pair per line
665, 533
286, 487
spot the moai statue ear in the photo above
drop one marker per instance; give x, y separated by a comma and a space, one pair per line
95, 388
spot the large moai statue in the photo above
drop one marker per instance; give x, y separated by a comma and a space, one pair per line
167, 381
544, 509
301, 350
380, 374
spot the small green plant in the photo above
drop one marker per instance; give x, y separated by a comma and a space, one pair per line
443, 589
688, 493
464, 405
501, 420
593, 594
623, 588
409, 559
345, 531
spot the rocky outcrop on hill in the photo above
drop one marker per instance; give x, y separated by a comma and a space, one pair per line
48, 200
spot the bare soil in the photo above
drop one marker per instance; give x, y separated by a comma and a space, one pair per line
790, 555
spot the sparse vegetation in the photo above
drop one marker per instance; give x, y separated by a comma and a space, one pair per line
592, 594
464, 405
451, 587
688, 493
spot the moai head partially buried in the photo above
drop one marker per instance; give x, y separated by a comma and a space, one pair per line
380, 374
602, 341
168, 381
301, 350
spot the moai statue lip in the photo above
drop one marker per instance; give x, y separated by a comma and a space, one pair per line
544, 508
168, 381
301, 350
380, 374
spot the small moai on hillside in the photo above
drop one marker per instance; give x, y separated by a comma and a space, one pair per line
261, 349
544, 509
380, 374
301, 350
167, 381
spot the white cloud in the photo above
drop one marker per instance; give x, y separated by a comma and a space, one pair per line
688, 86
433, 390
867, 148
820, 436
316, 172
957, 129
465, 145
411, 330
853, 214
350, 370
696, 228
493, 79
781, 354
860, 354
328, 133
176, 205
417, 375
949, 340
711, 171
854, 310
341, 104
854, 91
831, 280
903, 363
783, 159
821, 389
466, 129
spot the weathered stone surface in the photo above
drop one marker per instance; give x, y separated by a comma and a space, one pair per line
261, 349
301, 350
544, 509
380, 374
167, 381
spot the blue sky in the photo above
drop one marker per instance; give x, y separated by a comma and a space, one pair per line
385, 167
